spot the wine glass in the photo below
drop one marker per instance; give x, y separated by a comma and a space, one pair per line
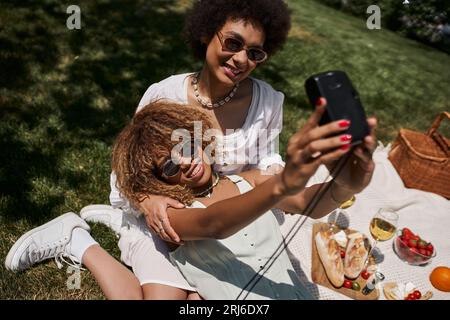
344, 205
382, 226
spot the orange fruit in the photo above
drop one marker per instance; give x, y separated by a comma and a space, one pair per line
440, 278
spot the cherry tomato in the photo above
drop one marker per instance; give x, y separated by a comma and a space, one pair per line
428, 253
417, 294
430, 247
415, 237
411, 296
342, 254
347, 284
423, 252
365, 275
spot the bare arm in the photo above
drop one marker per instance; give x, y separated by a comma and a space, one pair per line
297, 203
226, 217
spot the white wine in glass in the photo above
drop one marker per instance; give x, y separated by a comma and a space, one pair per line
381, 230
383, 226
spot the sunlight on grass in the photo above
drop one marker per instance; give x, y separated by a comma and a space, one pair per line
300, 33
395, 76
65, 95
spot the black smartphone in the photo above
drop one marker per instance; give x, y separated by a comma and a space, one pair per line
343, 101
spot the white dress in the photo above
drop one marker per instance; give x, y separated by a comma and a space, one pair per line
144, 251
221, 269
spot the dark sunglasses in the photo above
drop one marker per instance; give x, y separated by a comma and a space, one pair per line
235, 45
170, 168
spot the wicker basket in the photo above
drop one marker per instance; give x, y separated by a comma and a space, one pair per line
423, 160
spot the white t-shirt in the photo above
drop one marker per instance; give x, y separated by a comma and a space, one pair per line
255, 145
222, 268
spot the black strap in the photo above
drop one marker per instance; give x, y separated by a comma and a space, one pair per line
295, 228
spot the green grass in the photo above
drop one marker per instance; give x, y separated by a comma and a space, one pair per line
64, 95
402, 82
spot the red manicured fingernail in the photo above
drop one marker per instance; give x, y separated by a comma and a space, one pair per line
346, 137
319, 102
344, 123
345, 147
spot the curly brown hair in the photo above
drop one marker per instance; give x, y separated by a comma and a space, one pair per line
148, 138
208, 16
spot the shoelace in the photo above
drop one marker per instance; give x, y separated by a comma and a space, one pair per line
47, 251
58, 249
60, 259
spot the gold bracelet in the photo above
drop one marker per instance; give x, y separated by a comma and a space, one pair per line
339, 203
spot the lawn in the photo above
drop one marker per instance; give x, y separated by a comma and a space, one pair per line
64, 95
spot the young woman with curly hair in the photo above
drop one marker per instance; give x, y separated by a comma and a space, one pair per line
228, 228
233, 38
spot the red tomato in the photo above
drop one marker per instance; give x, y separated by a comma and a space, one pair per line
417, 294
342, 254
365, 275
428, 253
415, 237
423, 252
430, 247
411, 296
347, 284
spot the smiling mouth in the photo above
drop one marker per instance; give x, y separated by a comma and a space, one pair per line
232, 70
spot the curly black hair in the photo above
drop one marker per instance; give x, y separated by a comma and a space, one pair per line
208, 16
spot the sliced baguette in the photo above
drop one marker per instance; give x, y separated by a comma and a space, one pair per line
329, 254
355, 255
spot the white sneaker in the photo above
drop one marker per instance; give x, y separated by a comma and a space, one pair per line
107, 215
51, 240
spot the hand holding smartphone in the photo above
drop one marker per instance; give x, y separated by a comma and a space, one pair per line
343, 101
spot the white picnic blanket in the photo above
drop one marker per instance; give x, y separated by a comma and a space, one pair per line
426, 214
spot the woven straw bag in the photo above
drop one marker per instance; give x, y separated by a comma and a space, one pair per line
423, 160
